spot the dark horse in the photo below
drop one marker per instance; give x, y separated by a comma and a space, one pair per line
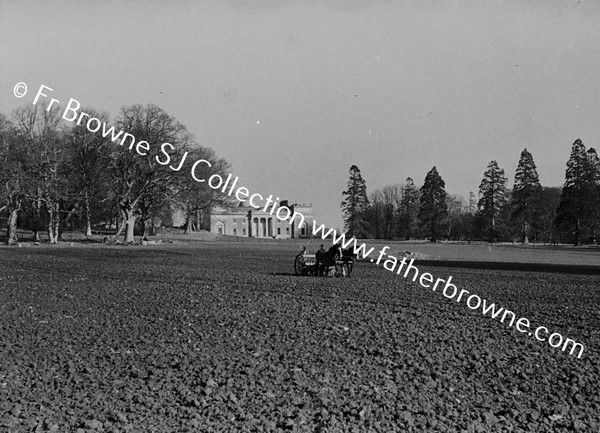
325, 260
348, 257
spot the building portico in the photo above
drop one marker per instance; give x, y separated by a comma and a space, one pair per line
244, 220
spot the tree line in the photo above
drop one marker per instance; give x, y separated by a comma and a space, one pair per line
529, 212
56, 177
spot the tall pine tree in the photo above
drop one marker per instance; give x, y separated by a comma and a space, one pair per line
492, 198
408, 209
577, 207
525, 203
594, 181
355, 204
433, 209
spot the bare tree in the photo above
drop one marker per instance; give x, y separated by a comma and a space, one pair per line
472, 203
38, 128
195, 198
88, 165
392, 195
139, 175
12, 178
454, 221
374, 213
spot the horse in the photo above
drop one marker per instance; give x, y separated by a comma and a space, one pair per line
348, 257
327, 259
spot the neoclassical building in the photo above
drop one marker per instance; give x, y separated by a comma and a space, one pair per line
247, 221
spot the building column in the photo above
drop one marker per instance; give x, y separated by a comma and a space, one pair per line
249, 223
293, 229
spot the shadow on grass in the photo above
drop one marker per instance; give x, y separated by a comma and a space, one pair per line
513, 266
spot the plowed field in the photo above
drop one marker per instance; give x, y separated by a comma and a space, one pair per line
223, 337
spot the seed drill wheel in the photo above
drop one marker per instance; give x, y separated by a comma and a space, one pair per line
299, 266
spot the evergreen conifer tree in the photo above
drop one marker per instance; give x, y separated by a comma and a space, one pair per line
577, 206
594, 194
526, 211
408, 209
492, 197
355, 204
433, 209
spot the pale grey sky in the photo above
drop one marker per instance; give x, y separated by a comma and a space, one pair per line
394, 87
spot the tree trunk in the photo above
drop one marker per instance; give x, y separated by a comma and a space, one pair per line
129, 226
145, 229
36, 221
130, 219
11, 227
53, 221
51, 237
37, 213
121, 227
88, 216
57, 232
188, 225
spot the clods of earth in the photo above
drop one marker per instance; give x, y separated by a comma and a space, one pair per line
224, 337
